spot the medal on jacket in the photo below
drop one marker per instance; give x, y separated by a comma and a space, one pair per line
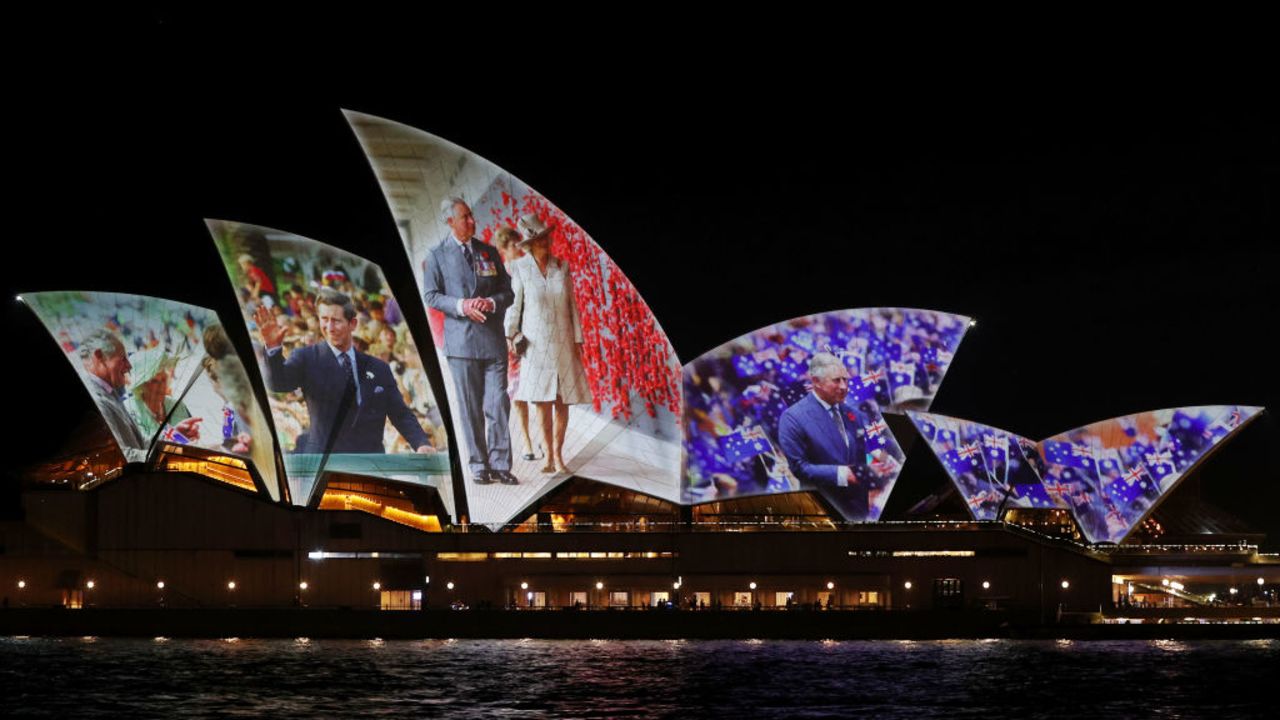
485, 267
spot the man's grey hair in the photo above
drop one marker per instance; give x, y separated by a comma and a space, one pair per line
447, 205
103, 340
823, 365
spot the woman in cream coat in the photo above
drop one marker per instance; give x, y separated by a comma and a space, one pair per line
542, 327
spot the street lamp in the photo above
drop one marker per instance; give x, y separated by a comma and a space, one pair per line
231, 585
159, 584
89, 584
303, 585
986, 584
1066, 584
449, 585
377, 585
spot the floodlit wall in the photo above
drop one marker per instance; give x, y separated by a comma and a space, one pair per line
160, 371
580, 334
303, 301
990, 467
753, 423
1116, 471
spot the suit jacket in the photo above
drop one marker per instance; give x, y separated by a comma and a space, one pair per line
323, 383
447, 279
811, 441
132, 445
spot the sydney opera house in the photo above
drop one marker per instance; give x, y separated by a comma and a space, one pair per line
539, 445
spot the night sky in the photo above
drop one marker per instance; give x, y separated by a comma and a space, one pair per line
1117, 248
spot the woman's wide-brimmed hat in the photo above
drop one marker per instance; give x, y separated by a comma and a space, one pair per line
531, 228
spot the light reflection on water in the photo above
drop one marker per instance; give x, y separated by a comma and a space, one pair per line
548, 678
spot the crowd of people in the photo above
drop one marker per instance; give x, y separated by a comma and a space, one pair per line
1112, 472
736, 397
283, 287
988, 465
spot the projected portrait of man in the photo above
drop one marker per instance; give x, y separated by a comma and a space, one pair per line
465, 280
349, 395
106, 363
823, 440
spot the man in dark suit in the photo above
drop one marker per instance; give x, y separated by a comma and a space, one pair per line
824, 440
465, 280
349, 395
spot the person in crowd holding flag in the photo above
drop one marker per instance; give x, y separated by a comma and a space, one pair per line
542, 327
349, 395
822, 438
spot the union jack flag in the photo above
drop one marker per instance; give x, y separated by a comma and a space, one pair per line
1134, 475
875, 428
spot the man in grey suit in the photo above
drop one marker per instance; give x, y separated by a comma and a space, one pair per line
106, 365
464, 279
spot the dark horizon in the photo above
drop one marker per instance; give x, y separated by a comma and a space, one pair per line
1117, 258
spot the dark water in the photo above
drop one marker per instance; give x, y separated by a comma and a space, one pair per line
574, 678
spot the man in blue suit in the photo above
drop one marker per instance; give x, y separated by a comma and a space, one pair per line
349, 395
823, 438
465, 280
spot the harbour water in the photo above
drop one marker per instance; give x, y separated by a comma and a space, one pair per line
180, 678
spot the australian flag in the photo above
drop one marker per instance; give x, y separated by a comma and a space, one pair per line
902, 374
1033, 494
744, 444
803, 339
946, 436
1224, 425
1123, 493
877, 433
867, 386
746, 366
926, 427
789, 370
1160, 464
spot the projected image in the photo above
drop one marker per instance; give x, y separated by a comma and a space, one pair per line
1113, 472
989, 466
554, 365
347, 387
160, 371
772, 431
896, 357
